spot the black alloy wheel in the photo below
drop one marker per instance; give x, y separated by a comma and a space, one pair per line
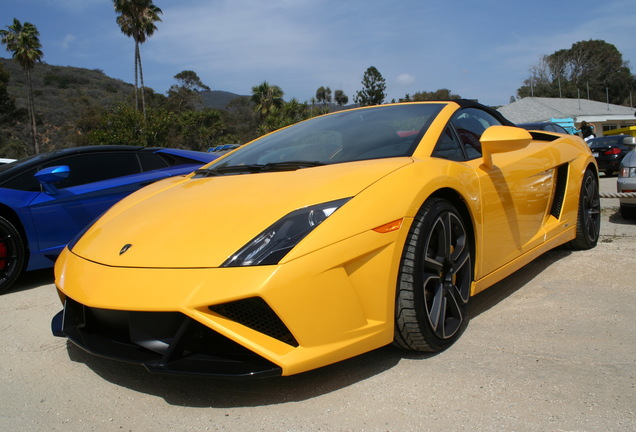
436, 273
588, 224
11, 254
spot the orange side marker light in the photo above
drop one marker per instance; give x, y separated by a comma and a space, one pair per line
388, 227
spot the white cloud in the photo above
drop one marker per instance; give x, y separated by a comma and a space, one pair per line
68, 40
405, 80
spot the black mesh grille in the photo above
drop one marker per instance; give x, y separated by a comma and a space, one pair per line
256, 314
559, 191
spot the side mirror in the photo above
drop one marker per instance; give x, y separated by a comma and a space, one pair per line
51, 175
629, 142
502, 139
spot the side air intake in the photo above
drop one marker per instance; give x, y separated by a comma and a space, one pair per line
256, 314
559, 190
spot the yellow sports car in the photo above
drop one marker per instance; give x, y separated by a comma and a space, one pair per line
324, 240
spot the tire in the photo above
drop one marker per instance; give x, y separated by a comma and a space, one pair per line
436, 273
588, 224
628, 212
11, 254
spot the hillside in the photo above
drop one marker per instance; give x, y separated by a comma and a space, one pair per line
61, 91
66, 96
59, 87
63, 95
217, 99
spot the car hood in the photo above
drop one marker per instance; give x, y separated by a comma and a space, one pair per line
200, 222
629, 160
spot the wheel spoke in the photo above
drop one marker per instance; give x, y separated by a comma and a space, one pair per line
448, 235
435, 251
453, 316
461, 275
436, 309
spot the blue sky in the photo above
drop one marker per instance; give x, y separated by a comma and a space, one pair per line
478, 49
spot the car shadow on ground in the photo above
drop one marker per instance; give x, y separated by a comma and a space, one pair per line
29, 280
218, 393
616, 218
489, 298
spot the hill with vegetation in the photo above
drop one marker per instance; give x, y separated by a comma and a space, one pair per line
63, 94
70, 102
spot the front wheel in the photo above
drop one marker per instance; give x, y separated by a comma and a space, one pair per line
588, 224
11, 254
436, 272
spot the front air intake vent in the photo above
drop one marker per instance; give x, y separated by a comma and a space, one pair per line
256, 314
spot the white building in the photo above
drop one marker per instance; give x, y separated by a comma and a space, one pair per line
604, 116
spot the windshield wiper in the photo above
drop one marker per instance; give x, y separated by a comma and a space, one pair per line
289, 165
255, 168
235, 169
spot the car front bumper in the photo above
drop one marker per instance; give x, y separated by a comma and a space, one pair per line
321, 308
626, 185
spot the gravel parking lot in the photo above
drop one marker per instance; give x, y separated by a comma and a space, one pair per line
551, 348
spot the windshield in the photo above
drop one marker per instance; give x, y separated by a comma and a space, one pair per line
605, 141
372, 133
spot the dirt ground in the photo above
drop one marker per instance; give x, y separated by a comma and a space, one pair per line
551, 348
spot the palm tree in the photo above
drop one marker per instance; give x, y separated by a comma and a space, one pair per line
23, 40
266, 98
137, 19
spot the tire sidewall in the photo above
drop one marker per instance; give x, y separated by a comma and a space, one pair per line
410, 275
14, 246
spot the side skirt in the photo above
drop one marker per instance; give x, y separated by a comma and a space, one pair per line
524, 259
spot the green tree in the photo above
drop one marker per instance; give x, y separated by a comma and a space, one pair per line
242, 120
185, 95
137, 19
323, 95
125, 125
340, 98
374, 87
10, 146
280, 117
9, 113
440, 94
592, 68
266, 98
200, 130
23, 41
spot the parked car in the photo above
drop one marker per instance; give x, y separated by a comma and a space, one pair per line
626, 182
609, 151
543, 126
5, 161
45, 200
324, 240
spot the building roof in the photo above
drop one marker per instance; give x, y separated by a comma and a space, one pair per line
539, 109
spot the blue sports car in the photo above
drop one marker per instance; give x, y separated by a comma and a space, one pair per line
47, 199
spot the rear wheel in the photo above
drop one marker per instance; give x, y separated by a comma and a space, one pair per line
588, 224
11, 254
435, 278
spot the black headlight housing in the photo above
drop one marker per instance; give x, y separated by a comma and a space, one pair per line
271, 245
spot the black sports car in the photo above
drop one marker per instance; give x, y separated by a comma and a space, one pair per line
609, 151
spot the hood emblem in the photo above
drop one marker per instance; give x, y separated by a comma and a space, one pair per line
125, 248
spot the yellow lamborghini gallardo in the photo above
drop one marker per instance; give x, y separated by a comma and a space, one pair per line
325, 240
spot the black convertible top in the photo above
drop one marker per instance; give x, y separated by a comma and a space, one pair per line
467, 103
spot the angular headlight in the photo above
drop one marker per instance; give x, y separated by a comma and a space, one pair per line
627, 172
270, 246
